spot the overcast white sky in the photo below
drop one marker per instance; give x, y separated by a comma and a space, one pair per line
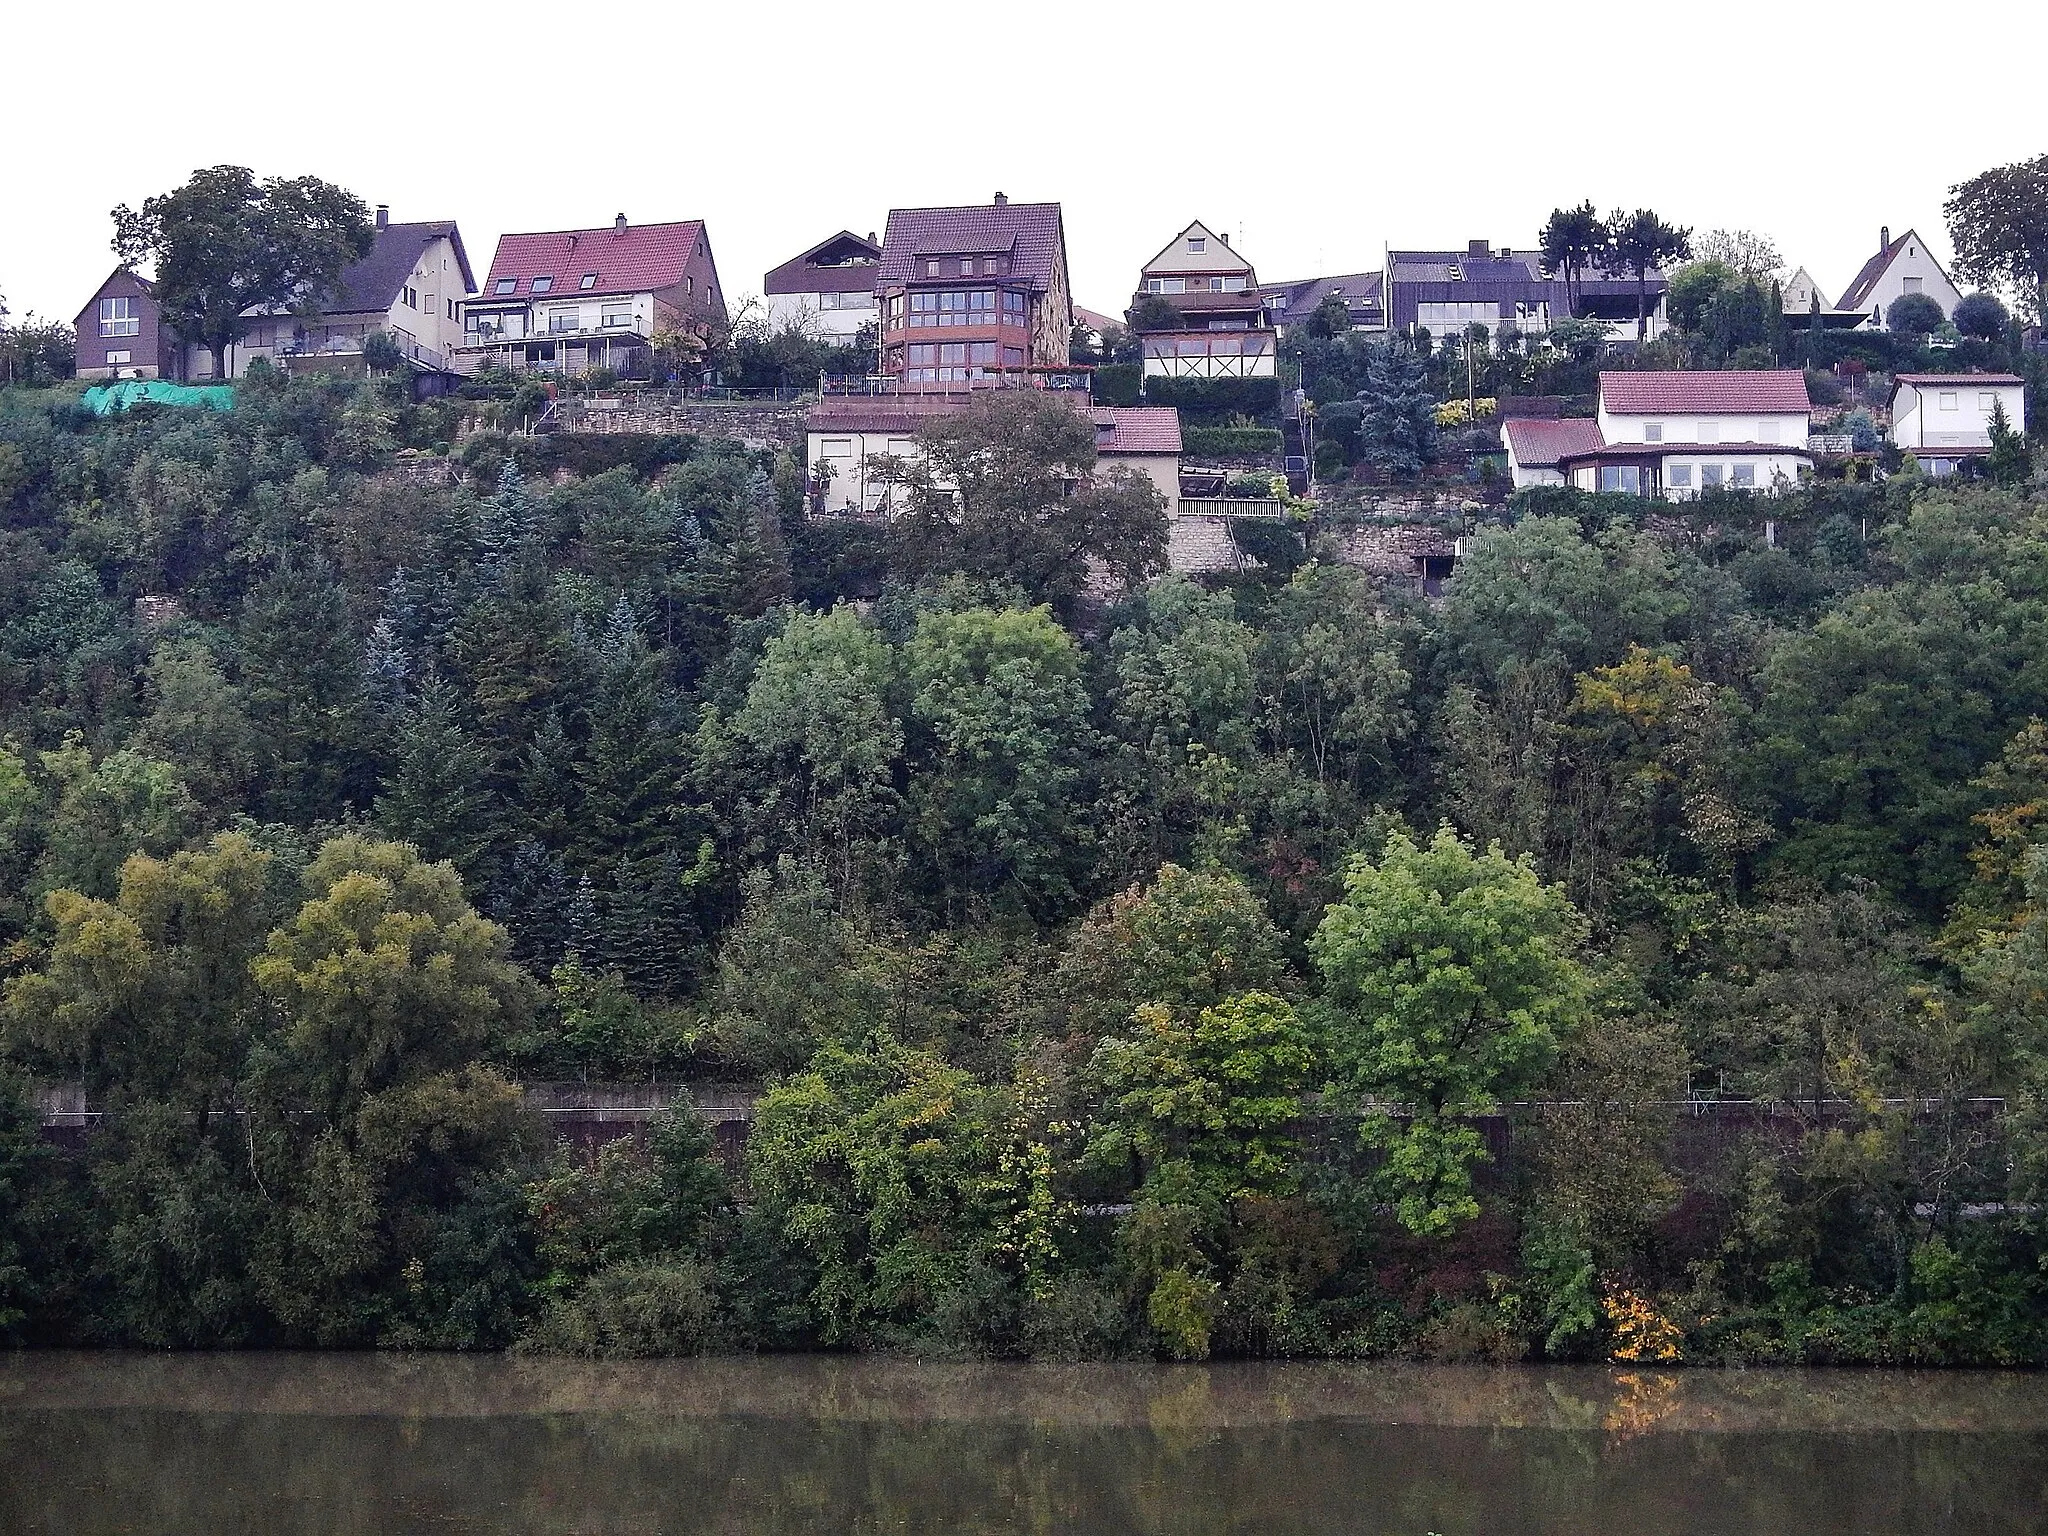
1322, 132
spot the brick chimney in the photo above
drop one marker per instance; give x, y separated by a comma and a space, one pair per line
1884, 236
619, 225
1002, 200
383, 215
1477, 250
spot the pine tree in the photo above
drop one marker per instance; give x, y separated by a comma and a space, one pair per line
386, 667
629, 769
583, 941
508, 530
547, 787
1398, 423
533, 899
746, 569
2009, 462
438, 796
302, 673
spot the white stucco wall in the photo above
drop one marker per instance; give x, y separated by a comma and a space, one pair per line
1955, 413
830, 316
1914, 262
1788, 427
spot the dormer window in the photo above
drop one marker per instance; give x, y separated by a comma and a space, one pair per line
543, 284
589, 281
506, 285
1457, 273
1196, 245
931, 268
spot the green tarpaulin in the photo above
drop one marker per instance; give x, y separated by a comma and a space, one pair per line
105, 399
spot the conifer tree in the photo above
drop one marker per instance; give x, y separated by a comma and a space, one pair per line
1398, 424
438, 796
547, 787
302, 672
628, 772
533, 899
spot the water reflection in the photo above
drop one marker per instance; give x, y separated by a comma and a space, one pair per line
325, 1443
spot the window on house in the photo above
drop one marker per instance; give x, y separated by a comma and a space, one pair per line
924, 352
931, 269
542, 285
1013, 357
119, 316
1710, 432
122, 356
838, 448
1767, 431
1987, 403
1948, 401
505, 285
563, 320
689, 286
1912, 285
1196, 245
982, 353
1653, 431
1624, 478
589, 281
953, 352
1745, 476
1710, 476
1233, 284
1173, 285
1681, 476
1215, 285
617, 317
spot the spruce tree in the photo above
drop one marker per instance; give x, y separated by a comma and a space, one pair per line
302, 673
547, 790
438, 796
533, 899
1398, 421
629, 769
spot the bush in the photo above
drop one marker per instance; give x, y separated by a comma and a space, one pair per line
1119, 384
1915, 314
1211, 401
639, 1309
1229, 442
1982, 316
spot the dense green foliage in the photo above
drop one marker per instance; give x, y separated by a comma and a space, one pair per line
1283, 966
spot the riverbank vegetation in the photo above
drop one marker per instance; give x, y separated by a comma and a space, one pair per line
1639, 952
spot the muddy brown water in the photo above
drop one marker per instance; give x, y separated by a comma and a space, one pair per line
287, 1443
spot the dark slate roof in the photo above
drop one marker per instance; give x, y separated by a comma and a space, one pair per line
805, 274
1858, 292
372, 284
142, 284
1030, 232
1360, 290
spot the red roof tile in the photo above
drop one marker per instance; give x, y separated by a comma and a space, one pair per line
643, 259
1540, 444
1957, 378
1137, 429
1766, 390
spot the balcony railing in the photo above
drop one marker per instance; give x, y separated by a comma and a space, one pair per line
886, 385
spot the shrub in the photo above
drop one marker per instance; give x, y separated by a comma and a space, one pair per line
1981, 315
1209, 401
1229, 442
1119, 384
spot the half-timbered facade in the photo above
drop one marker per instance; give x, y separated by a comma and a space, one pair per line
1219, 329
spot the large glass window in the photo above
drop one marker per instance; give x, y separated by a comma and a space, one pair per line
1445, 316
119, 317
1625, 478
1745, 475
1681, 476
1710, 476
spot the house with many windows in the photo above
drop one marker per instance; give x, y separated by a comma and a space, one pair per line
1900, 267
1944, 419
1674, 435
1219, 327
121, 333
1448, 292
827, 291
570, 300
970, 292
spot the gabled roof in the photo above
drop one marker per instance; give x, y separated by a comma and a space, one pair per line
644, 258
143, 284
372, 284
1543, 444
1207, 260
1095, 320
842, 263
1732, 391
1030, 232
1806, 277
1359, 290
1858, 293
1136, 429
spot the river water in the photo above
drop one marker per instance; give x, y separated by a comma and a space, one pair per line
345, 1443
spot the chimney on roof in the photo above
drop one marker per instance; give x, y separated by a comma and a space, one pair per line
1884, 236
1477, 250
383, 215
619, 225
871, 238
1002, 200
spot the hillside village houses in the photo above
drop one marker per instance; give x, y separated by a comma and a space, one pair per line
411, 288
1900, 267
967, 290
1944, 419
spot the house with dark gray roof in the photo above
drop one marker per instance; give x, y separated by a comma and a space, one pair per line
1446, 292
828, 290
411, 288
974, 292
1362, 293
1900, 267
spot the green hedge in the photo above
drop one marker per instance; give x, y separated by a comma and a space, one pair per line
1208, 401
1229, 442
1118, 384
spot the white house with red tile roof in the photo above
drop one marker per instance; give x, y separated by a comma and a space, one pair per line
1943, 419
1900, 267
1675, 435
564, 301
845, 435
